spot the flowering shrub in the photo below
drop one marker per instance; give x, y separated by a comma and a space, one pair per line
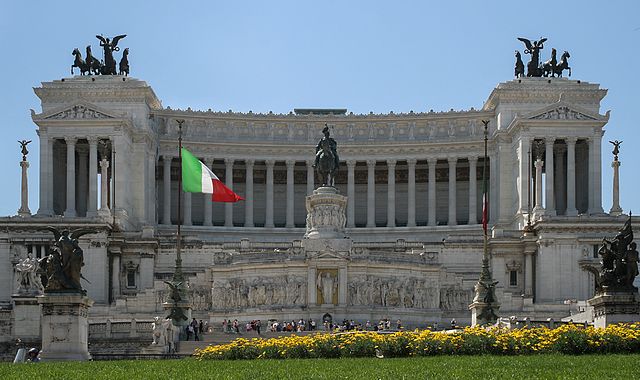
567, 339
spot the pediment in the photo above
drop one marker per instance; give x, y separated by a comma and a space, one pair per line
77, 111
329, 255
562, 111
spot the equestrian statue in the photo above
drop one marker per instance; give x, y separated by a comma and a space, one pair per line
550, 67
327, 160
91, 65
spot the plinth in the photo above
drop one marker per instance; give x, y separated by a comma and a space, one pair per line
26, 317
615, 307
179, 333
65, 326
326, 214
483, 313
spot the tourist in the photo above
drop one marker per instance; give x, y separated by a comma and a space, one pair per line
194, 327
236, 326
201, 327
312, 325
33, 355
398, 325
454, 323
258, 325
189, 330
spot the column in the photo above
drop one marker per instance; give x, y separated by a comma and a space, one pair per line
187, 205
207, 220
115, 275
391, 193
92, 209
560, 194
528, 273
550, 206
310, 177
166, 183
269, 200
595, 197
248, 202
571, 177
351, 193
71, 176
431, 192
371, 193
104, 187
45, 208
524, 150
411, 193
452, 191
82, 181
290, 191
538, 205
473, 190
228, 176
616, 210
24, 193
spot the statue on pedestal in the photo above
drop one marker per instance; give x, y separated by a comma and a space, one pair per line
619, 262
327, 160
28, 281
64, 263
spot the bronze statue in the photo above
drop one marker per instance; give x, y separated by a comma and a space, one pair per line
327, 160
619, 263
534, 49
23, 145
109, 47
519, 70
616, 149
550, 66
94, 65
64, 263
79, 62
124, 63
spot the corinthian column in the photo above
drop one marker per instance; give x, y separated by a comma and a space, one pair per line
207, 201
46, 170
473, 190
411, 193
452, 191
248, 206
550, 206
104, 188
371, 193
351, 193
571, 177
310, 177
290, 193
432, 192
391, 193
166, 185
71, 177
269, 201
92, 210
538, 206
228, 176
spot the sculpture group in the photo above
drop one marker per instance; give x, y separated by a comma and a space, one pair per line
106, 66
536, 69
619, 259
60, 270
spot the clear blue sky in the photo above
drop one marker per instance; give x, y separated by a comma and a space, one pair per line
278, 55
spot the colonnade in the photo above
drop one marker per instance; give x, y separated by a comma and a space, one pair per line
371, 166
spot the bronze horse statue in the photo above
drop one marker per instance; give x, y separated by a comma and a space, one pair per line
94, 64
519, 69
124, 63
553, 67
79, 63
326, 164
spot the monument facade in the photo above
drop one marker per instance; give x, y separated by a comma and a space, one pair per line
395, 232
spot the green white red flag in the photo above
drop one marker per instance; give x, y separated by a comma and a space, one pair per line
198, 178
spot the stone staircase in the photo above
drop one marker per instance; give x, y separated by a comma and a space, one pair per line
217, 337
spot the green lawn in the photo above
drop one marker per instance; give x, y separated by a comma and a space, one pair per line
444, 367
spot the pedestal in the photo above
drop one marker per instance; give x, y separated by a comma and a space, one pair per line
483, 313
615, 307
326, 214
26, 317
616, 210
180, 334
65, 326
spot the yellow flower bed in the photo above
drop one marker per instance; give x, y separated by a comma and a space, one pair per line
568, 339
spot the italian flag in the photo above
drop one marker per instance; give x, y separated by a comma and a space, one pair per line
198, 178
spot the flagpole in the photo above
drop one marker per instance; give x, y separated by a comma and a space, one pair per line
177, 276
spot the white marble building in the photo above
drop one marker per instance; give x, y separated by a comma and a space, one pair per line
413, 181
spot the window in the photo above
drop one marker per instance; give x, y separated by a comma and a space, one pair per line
513, 278
131, 278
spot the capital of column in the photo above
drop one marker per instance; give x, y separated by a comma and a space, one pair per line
371, 163
452, 160
104, 164
249, 163
571, 140
351, 164
167, 158
290, 163
270, 163
229, 161
391, 163
431, 162
92, 140
411, 162
309, 163
70, 140
473, 159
